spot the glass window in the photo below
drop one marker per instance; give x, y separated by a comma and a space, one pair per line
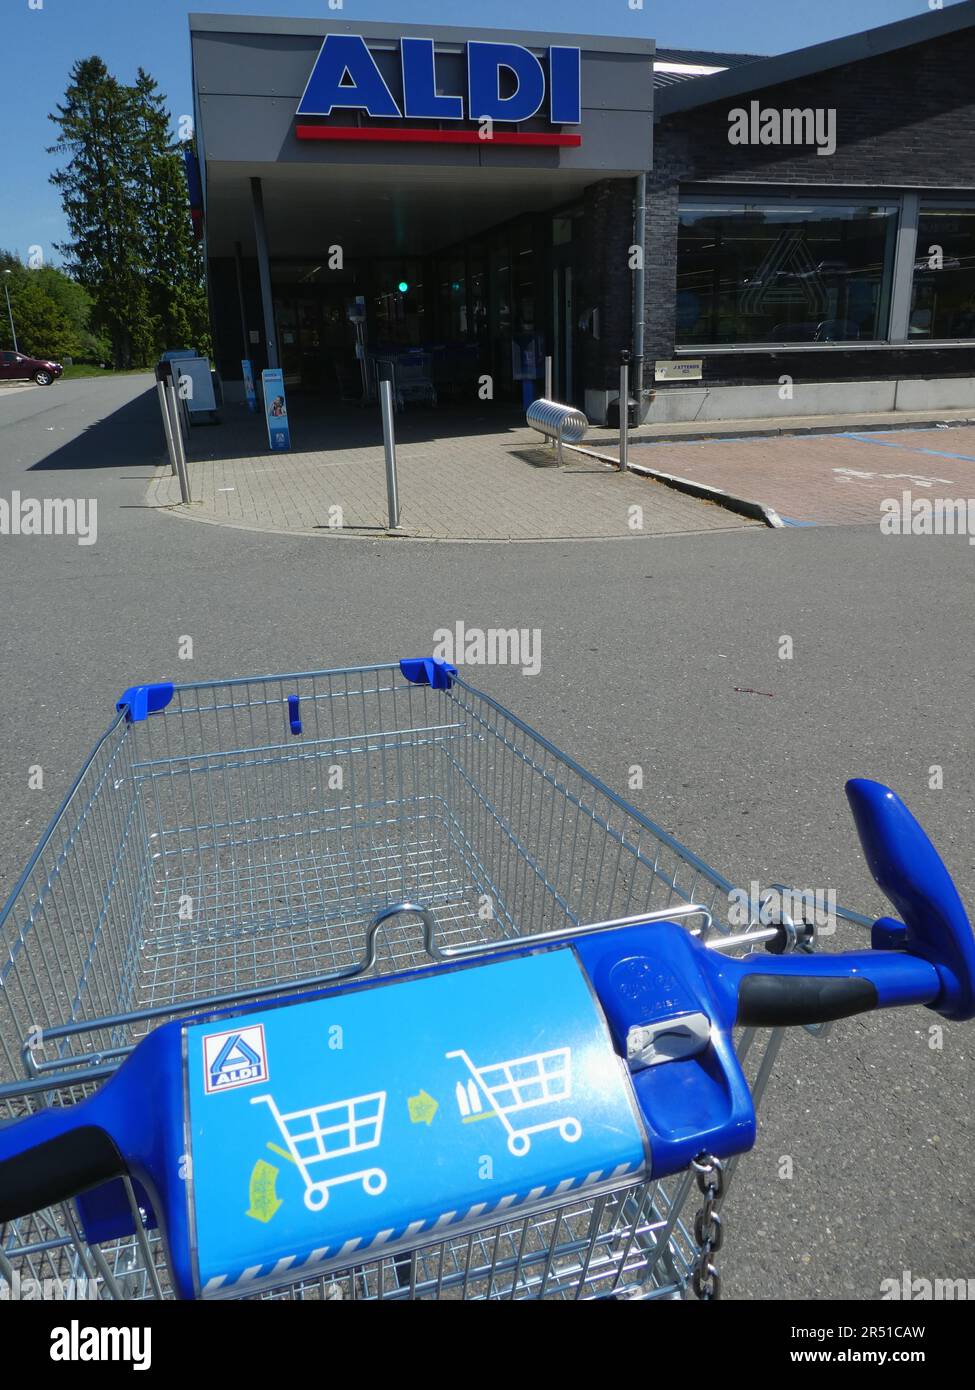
452, 291
523, 267
398, 303
763, 272
943, 302
561, 231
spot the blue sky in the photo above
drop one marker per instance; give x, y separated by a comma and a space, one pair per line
40, 45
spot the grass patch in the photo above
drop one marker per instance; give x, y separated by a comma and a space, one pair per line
80, 369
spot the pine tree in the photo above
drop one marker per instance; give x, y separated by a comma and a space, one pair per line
172, 255
98, 132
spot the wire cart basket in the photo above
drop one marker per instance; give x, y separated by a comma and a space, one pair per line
232, 840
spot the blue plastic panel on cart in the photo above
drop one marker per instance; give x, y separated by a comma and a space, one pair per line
340, 1125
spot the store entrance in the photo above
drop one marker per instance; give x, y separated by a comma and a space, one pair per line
473, 320
314, 335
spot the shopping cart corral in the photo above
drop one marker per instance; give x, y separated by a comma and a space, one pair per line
444, 1016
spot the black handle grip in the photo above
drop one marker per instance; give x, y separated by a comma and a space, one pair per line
782, 1001
56, 1169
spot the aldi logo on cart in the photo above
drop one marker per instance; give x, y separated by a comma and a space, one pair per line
234, 1059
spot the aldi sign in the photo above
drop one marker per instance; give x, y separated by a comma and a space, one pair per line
505, 83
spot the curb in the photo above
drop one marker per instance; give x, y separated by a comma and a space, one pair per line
755, 511
778, 431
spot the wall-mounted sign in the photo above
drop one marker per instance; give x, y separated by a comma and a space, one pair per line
504, 82
683, 369
276, 409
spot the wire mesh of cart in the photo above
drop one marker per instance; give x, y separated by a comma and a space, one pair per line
233, 840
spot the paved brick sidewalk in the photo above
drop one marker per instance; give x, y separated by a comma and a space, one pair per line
485, 484
825, 479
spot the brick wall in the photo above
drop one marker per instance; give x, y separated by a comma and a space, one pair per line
904, 119
603, 278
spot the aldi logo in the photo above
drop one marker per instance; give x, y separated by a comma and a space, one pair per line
234, 1059
504, 82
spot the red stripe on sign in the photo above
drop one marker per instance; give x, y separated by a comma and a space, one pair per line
396, 135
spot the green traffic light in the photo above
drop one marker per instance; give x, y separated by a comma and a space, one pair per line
403, 287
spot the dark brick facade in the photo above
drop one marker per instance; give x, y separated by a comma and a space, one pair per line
604, 279
905, 121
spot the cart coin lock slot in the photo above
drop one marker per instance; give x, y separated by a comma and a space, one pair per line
667, 1040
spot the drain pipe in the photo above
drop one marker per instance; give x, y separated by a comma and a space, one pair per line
639, 291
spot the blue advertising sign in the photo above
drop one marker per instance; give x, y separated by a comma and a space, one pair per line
249, 390
345, 1123
276, 408
347, 77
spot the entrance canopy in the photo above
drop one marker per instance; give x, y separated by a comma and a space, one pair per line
372, 211
398, 112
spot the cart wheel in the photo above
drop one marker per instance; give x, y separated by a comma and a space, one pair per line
570, 1130
519, 1144
316, 1197
374, 1181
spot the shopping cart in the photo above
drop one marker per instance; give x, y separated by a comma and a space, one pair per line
229, 845
521, 1084
326, 1132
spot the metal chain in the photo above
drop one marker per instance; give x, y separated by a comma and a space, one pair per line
708, 1233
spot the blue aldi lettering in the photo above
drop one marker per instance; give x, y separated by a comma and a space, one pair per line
346, 77
420, 96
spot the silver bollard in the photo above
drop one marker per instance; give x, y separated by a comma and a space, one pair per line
548, 378
389, 443
167, 425
182, 471
624, 412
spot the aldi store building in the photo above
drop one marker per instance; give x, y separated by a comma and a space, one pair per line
481, 199
474, 188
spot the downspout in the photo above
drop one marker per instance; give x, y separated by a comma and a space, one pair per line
639, 292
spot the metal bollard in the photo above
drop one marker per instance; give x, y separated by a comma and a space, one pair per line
182, 471
167, 425
624, 409
548, 378
389, 443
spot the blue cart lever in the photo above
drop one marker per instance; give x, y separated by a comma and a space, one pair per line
909, 870
928, 958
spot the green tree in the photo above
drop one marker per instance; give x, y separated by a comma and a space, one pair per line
72, 299
173, 257
98, 130
43, 327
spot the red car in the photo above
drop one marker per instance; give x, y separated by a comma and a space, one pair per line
14, 366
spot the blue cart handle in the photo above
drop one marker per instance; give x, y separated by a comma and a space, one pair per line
928, 958
48, 1157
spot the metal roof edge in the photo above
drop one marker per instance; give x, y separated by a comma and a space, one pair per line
318, 27
820, 57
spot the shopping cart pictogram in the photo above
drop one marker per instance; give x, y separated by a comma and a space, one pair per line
323, 1133
523, 1083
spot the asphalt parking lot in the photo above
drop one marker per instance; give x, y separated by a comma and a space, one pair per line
663, 653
